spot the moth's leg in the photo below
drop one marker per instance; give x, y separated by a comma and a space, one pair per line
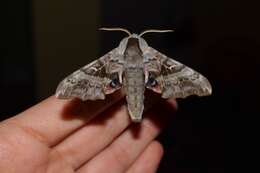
120, 74
116, 67
146, 74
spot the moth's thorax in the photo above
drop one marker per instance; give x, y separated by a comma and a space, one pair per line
133, 54
132, 47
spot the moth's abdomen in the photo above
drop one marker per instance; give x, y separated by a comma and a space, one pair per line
134, 86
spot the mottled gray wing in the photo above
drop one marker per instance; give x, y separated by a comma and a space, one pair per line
94, 80
172, 78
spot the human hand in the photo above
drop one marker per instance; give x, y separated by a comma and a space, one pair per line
66, 136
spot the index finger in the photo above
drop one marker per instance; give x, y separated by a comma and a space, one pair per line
53, 119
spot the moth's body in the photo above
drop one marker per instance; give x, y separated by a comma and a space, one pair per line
133, 78
133, 66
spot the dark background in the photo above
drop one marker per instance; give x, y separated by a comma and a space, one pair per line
42, 42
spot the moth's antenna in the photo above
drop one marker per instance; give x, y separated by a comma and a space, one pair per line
155, 30
116, 29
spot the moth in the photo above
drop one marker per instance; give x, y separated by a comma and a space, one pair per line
133, 66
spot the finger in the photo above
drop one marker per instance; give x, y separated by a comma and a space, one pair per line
53, 119
149, 160
129, 145
88, 141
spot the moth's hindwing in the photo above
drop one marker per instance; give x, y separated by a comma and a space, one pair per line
94, 80
171, 78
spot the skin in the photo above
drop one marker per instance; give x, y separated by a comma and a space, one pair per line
67, 136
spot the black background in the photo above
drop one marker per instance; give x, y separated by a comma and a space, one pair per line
17, 78
220, 39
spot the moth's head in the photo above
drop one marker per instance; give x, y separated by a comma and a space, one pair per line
142, 43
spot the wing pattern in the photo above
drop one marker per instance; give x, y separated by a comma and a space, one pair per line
173, 79
94, 80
